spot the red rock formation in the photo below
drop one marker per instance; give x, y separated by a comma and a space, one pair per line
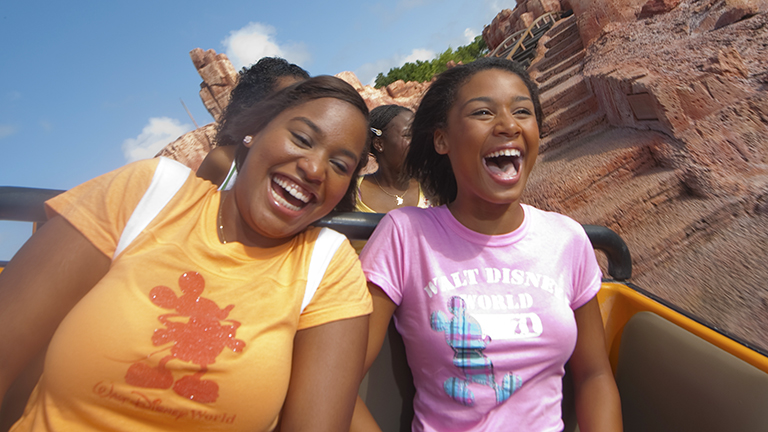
501, 27
192, 147
407, 94
219, 78
657, 130
538, 8
655, 7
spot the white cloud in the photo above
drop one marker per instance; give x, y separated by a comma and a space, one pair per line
160, 132
469, 36
419, 54
367, 72
254, 41
6, 130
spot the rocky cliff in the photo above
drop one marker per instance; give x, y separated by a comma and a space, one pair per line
219, 78
656, 125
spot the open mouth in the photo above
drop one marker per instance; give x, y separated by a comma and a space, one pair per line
504, 163
289, 194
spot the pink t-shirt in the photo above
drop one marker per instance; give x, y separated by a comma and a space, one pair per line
487, 321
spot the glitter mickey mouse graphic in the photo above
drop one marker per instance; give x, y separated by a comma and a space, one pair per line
465, 336
199, 340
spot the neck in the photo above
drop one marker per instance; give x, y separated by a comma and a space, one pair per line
392, 179
486, 218
235, 230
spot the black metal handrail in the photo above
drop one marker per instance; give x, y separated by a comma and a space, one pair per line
26, 205
507, 49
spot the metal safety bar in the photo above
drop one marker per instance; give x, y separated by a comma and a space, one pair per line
26, 205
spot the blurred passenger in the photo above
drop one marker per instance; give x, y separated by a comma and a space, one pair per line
255, 83
387, 188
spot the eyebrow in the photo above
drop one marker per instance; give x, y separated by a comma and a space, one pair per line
351, 154
309, 123
520, 98
319, 131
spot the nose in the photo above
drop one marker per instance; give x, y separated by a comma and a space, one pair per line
507, 125
312, 168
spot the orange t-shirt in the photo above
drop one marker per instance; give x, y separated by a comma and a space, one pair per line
183, 333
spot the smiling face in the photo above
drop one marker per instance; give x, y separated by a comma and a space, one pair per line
492, 140
297, 170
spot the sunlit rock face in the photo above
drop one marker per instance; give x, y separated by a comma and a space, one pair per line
219, 78
656, 118
407, 94
192, 147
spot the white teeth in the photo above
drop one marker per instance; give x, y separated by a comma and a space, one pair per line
505, 152
291, 189
283, 202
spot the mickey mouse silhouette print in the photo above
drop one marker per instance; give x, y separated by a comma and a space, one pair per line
198, 340
465, 336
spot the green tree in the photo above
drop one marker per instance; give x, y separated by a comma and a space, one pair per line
424, 70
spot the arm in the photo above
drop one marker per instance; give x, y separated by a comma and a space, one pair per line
383, 308
38, 288
326, 372
598, 407
216, 164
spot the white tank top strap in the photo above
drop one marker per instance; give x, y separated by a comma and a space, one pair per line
326, 245
169, 177
229, 180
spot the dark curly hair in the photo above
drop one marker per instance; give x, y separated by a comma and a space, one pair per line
253, 120
431, 169
253, 85
380, 118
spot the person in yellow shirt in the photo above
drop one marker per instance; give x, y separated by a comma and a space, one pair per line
387, 188
255, 83
172, 306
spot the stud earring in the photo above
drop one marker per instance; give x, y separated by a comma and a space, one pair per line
247, 139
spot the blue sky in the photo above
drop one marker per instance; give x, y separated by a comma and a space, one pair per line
88, 86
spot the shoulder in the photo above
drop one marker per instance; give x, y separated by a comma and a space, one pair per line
423, 221
155, 169
317, 242
217, 163
100, 208
133, 178
556, 224
222, 154
327, 240
414, 215
155, 180
145, 168
400, 227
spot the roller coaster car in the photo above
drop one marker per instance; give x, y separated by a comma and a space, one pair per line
674, 372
